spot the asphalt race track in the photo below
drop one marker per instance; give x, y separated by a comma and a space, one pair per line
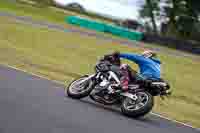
29, 104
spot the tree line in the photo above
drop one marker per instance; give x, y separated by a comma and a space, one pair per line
174, 18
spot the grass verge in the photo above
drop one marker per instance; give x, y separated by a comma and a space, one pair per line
57, 16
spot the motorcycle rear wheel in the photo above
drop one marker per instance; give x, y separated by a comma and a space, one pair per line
138, 109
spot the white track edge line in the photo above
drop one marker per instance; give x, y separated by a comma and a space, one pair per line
33, 74
169, 119
61, 83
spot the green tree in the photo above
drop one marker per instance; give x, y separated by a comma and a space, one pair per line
183, 16
150, 9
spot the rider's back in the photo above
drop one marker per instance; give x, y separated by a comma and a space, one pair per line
149, 67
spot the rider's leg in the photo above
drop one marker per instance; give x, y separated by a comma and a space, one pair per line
125, 79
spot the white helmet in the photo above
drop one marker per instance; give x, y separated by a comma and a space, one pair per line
149, 54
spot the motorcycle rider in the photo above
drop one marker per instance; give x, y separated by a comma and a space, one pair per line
149, 67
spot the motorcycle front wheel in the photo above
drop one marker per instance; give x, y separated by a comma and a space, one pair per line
78, 90
138, 108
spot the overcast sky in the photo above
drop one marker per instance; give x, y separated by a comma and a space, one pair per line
116, 8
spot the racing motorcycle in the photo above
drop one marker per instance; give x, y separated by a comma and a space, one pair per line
136, 102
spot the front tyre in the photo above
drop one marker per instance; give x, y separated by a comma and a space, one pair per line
79, 90
138, 108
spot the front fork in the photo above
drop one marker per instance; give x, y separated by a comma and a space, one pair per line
88, 77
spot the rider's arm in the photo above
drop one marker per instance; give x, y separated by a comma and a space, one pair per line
132, 57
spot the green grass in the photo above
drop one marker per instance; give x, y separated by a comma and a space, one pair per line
42, 13
57, 16
64, 56
61, 56
39, 13
51, 14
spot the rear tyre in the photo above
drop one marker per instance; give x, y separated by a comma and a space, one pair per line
76, 90
138, 108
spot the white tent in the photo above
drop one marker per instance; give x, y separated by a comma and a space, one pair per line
114, 9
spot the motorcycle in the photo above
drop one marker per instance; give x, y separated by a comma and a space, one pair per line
136, 102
